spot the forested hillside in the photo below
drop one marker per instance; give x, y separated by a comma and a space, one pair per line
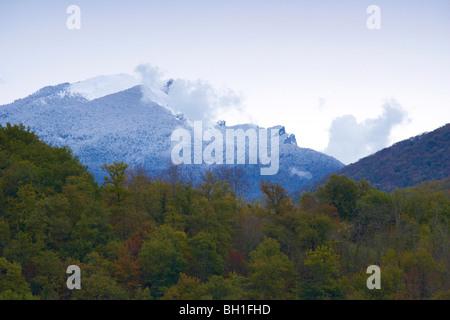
141, 238
405, 164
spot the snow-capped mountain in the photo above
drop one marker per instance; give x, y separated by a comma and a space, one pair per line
105, 119
101, 86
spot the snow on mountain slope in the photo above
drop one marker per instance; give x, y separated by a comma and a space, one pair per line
101, 86
121, 127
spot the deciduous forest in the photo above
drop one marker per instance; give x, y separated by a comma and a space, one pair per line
140, 237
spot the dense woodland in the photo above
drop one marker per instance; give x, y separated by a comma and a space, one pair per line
140, 237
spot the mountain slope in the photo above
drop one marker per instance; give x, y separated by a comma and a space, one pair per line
404, 164
119, 126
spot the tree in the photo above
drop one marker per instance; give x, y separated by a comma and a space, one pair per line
187, 288
230, 288
374, 215
275, 197
12, 284
162, 258
424, 276
98, 285
321, 277
205, 260
23, 250
211, 188
314, 230
308, 202
115, 179
174, 176
128, 269
49, 278
271, 273
340, 192
236, 263
236, 177
98, 282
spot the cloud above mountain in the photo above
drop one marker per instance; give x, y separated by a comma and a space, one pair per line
197, 100
350, 141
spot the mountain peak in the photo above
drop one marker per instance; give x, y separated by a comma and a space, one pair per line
97, 87
102, 124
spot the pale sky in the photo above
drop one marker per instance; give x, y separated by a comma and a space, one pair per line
312, 66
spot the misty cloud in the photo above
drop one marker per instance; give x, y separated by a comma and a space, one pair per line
351, 141
300, 173
197, 100
151, 84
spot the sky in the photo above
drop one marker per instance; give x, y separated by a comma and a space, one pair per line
313, 66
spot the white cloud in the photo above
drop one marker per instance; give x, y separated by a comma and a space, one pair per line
350, 141
301, 174
197, 100
151, 84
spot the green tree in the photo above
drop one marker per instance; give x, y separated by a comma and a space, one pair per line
271, 273
97, 281
314, 230
321, 275
23, 249
424, 276
231, 287
114, 181
50, 277
374, 218
12, 284
162, 258
340, 192
98, 285
204, 258
187, 288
